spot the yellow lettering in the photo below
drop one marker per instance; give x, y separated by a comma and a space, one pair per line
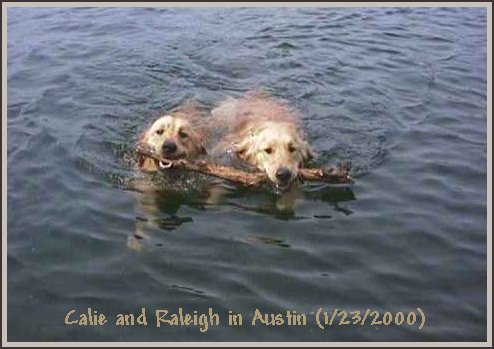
257, 316
159, 317
120, 320
67, 322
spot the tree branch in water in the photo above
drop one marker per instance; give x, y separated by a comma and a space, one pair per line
335, 175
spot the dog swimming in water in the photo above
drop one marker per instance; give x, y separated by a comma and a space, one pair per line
179, 134
266, 133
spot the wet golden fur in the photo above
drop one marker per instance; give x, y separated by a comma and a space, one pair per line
264, 132
190, 120
185, 126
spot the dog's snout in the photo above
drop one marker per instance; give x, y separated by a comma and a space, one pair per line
169, 147
283, 174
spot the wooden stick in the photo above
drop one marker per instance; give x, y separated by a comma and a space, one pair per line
335, 175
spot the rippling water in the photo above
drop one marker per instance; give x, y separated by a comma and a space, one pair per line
401, 93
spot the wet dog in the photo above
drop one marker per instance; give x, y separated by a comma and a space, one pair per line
179, 134
265, 133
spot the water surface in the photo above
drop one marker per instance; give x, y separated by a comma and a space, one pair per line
401, 93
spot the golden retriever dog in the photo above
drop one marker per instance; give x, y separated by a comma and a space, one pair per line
178, 134
265, 133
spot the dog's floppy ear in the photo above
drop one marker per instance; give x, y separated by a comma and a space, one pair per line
307, 152
241, 148
198, 143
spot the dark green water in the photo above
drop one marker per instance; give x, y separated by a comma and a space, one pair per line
401, 93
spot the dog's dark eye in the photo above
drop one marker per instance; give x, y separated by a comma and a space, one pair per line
159, 132
291, 148
183, 134
268, 150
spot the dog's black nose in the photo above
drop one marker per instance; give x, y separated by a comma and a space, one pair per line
283, 175
169, 147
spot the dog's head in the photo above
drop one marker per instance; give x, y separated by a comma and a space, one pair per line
173, 136
277, 148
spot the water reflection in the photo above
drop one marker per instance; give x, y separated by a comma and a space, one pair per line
158, 208
283, 206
